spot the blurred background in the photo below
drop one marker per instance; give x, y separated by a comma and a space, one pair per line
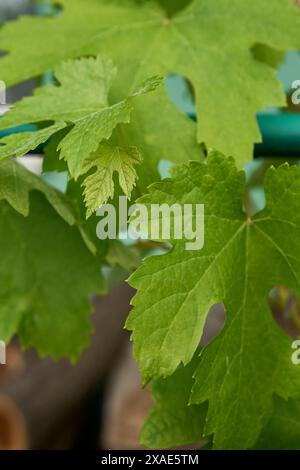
99, 403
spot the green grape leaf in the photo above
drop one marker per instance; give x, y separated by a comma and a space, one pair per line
210, 45
16, 183
19, 144
242, 260
99, 186
162, 132
172, 422
83, 87
45, 297
80, 99
282, 431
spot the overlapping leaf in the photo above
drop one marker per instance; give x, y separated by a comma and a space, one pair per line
282, 431
82, 100
173, 421
242, 260
47, 272
209, 45
16, 183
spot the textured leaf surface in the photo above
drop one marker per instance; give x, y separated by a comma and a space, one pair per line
82, 100
99, 186
172, 422
45, 297
242, 260
209, 45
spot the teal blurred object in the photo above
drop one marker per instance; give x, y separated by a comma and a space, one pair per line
59, 180
44, 8
281, 130
289, 70
15, 130
281, 135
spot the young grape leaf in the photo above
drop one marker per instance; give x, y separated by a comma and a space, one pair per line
44, 298
209, 44
81, 99
242, 260
99, 186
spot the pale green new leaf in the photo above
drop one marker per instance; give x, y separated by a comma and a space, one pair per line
82, 100
99, 186
242, 260
210, 45
82, 88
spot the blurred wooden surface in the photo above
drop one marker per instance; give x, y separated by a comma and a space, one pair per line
38, 404
126, 404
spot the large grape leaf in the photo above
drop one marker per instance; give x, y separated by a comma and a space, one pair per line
15, 186
47, 272
207, 43
242, 260
90, 17
81, 99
